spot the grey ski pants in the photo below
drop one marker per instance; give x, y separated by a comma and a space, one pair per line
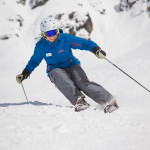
71, 81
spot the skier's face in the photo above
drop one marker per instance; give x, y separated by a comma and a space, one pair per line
52, 38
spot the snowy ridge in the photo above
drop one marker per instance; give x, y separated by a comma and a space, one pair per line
46, 122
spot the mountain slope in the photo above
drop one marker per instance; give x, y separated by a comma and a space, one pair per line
45, 122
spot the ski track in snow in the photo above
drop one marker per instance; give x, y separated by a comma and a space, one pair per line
50, 122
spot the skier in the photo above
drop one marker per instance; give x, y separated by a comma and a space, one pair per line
64, 69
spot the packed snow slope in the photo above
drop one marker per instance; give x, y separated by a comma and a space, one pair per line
48, 121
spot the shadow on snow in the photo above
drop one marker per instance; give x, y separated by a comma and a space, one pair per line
35, 103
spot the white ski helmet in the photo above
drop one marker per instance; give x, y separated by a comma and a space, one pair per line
48, 24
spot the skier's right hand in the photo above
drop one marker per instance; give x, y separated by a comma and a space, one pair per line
24, 75
19, 78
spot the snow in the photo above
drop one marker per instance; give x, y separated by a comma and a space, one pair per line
47, 121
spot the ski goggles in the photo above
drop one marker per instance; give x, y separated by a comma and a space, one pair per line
51, 33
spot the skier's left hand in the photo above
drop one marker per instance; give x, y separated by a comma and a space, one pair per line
99, 52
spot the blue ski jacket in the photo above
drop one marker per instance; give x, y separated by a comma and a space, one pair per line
58, 54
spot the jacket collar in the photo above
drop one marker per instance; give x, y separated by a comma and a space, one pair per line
52, 45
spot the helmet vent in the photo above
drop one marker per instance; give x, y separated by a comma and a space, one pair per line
48, 24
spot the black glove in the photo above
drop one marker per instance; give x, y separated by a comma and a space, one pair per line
99, 52
24, 75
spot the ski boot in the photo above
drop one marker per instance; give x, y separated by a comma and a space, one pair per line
111, 106
81, 104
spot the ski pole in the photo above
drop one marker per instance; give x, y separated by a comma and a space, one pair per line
127, 75
24, 92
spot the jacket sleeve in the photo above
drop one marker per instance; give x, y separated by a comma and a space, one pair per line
82, 44
35, 60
